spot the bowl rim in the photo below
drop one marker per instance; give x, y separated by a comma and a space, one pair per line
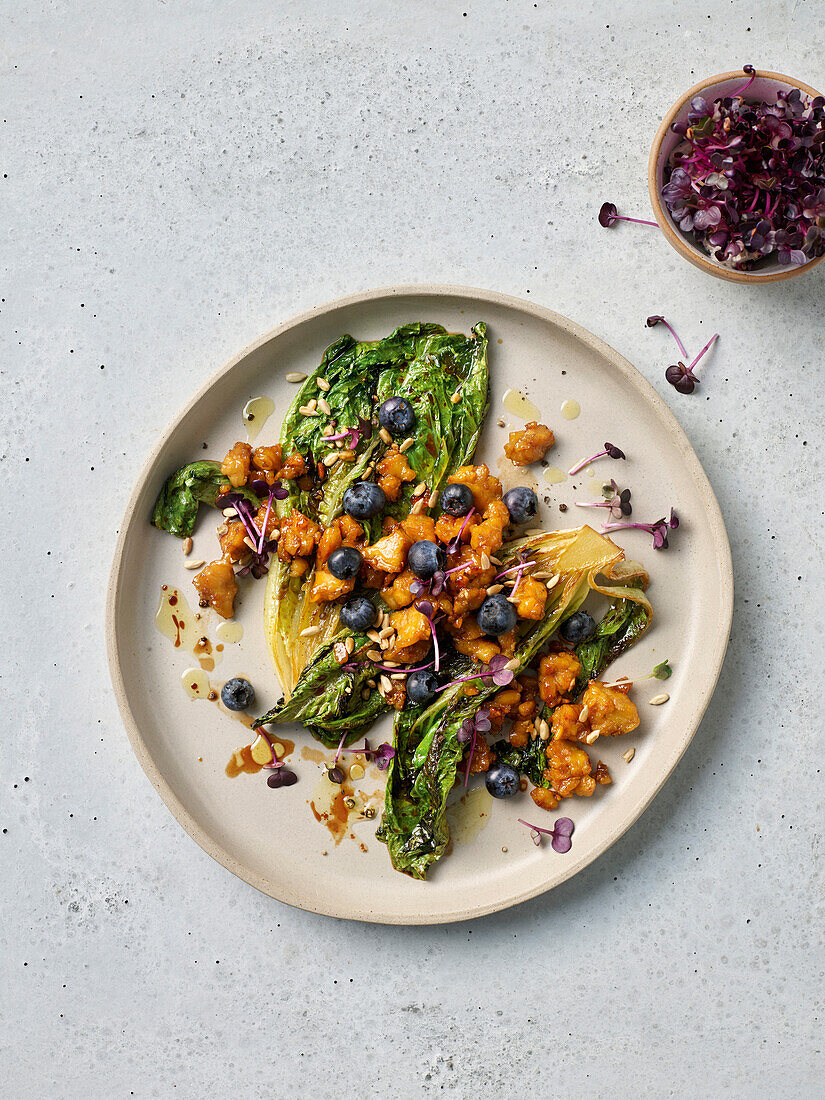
673, 235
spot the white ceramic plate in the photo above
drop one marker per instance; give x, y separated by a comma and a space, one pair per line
271, 838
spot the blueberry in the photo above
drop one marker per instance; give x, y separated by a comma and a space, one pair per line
522, 504
578, 628
397, 416
502, 780
425, 559
358, 614
421, 687
344, 562
237, 694
496, 615
364, 499
456, 500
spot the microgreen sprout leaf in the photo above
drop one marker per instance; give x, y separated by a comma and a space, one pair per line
663, 671
560, 834
608, 216
658, 529
610, 451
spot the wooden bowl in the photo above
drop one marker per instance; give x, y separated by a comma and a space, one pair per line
764, 86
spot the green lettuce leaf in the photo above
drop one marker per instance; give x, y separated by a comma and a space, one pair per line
176, 508
419, 361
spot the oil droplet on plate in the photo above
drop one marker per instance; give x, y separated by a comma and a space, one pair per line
554, 475
256, 412
518, 405
570, 409
469, 814
196, 683
175, 620
229, 631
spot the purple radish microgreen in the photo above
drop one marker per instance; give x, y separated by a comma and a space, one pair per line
561, 833
470, 729
682, 377
617, 500
608, 216
659, 529
610, 451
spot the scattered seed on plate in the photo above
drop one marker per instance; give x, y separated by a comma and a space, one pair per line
386, 632
405, 446
418, 507
310, 631
433, 499
373, 636
551, 584
592, 738
330, 459
356, 772
419, 489
194, 564
248, 542
349, 645
385, 435
229, 512
187, 547
494, 589
495, 561
305, 410
657, 700
628, 756
385, 682
323, 405
323, 384
374, 654
500, 422
296, 376
584, 713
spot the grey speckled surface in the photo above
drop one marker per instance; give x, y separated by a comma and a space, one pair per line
176, 180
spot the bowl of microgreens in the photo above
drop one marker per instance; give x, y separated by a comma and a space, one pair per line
737, 176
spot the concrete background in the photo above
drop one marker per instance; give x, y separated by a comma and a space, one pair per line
178, 177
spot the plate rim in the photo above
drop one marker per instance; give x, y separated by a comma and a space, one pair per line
629, 375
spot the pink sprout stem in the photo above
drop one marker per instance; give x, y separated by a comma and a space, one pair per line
470, 755
537, 828
675, 336
638, 221
457, 540
586, 462
704, 350
263, 525
247, 521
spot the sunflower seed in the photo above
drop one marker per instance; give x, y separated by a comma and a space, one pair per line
495, 561
248, 542
365, 693
229, 512
387, 632
592, 737
657, 700
296, 376
371, 683
494, 589
374, 655
402, 676
433, 500
628, 756
187, 547
347, 456
419, 489
373, 636
349, 645
391, 664
584, 713
417, 507
194, 564
312, 404
534, 531
485, 561
385, 435
405, 446
305, 410
310, 631
323, 384
323, 405
544, 730
512, 664
385, 682
551, 584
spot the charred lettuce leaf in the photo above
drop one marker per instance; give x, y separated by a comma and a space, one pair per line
427, 751
419, 361
176, 508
